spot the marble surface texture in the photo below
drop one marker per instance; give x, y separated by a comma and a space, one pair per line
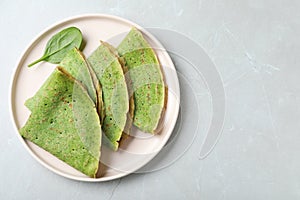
255, 47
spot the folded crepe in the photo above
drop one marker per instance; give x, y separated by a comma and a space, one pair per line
147, 80
64, 122
75, 63
110, 73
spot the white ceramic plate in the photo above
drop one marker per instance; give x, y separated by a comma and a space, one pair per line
139, 149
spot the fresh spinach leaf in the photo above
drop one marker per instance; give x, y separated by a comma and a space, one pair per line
60, 44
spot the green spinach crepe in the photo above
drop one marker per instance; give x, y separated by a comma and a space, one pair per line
64, 122
75, 63
147, 80
115, 94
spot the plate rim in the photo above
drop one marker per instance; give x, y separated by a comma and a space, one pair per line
13, 84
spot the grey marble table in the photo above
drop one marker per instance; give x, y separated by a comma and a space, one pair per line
254, 45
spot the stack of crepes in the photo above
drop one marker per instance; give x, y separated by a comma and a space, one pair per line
109, 91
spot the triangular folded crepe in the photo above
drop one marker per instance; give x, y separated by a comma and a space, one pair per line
64, 122
75, 63
147, 80
115, 94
